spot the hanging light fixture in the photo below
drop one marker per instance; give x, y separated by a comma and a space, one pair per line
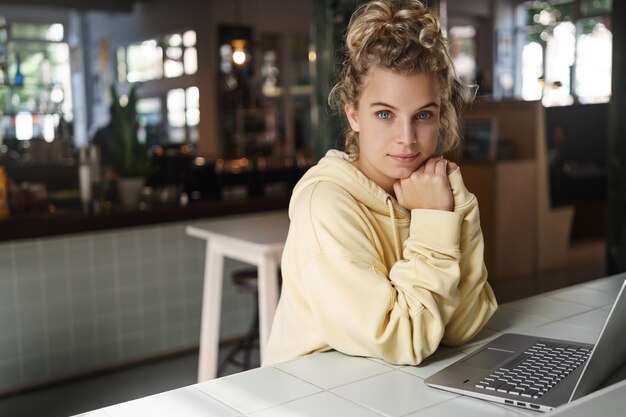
239, 51
235, 47
241, 37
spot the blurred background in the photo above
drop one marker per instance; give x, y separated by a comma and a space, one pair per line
123, 121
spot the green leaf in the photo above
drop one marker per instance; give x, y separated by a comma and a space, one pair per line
130, 157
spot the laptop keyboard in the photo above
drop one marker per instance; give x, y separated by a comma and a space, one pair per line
536, 371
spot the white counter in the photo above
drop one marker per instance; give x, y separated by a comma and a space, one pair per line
333, 384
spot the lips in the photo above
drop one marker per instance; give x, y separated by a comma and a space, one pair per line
404, 157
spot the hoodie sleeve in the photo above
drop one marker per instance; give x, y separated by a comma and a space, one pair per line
477, 301
361, 307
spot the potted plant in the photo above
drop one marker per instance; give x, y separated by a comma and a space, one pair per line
130, 158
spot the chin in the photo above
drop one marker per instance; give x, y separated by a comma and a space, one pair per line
402, 174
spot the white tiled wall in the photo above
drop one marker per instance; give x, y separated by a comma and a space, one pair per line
76, 303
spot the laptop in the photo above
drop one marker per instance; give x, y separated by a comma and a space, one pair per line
539, 373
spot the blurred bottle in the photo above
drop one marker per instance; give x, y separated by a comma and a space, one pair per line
89, 177
19, 77
96, 177
109, 194
84, 179
4, 191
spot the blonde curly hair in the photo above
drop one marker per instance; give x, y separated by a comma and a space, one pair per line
402, 36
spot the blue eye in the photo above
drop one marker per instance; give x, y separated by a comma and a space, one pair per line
385, 115
423, 115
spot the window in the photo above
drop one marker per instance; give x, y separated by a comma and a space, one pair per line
183, 115
463, 51
149, 119
560, 56
170, 115
192, 113
35, 88
173, 66
169, 56
594, 54
36, 31
190, 54
143, 61
176, 120
565, 51
589, 7
532, 71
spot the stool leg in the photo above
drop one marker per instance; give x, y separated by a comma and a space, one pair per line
245, 346
253, 334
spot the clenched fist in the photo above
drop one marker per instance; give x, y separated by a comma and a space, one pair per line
427, 187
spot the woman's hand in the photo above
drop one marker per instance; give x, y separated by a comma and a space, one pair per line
427, 187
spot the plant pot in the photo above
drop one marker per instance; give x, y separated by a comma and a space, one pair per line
130, 191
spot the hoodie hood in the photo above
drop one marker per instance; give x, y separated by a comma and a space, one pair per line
336, 168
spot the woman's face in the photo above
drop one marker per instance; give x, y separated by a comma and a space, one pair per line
397, 119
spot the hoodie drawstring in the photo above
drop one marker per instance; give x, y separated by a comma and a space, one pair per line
396, 241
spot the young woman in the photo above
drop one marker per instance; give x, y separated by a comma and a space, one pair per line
384, 256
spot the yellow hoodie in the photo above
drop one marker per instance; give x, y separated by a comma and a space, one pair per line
364, 276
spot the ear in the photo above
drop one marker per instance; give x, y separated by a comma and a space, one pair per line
351, 114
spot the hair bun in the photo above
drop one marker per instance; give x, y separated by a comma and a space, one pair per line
380, 20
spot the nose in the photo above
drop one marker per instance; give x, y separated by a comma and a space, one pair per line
407, 133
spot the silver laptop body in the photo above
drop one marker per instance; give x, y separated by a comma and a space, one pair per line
511, 369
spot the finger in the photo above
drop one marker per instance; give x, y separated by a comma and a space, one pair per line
430, 165
452, 167
441, 168
434, 163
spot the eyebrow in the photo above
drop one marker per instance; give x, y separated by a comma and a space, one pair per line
383, 104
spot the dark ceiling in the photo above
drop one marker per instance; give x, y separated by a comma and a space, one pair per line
110, 5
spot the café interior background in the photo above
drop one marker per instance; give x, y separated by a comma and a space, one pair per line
231, 106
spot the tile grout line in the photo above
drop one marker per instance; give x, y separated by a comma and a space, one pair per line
378, 412
336, 386
94, 304
18, 324
119, 353
195, 387
140, 293
44, 309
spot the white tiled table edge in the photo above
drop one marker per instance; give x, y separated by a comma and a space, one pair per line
604, 284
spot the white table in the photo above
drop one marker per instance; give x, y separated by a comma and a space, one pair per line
257, 239
332, 384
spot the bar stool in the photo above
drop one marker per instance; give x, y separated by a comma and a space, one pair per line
245, 281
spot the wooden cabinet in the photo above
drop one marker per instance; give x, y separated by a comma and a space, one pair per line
506, 196
523, 234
